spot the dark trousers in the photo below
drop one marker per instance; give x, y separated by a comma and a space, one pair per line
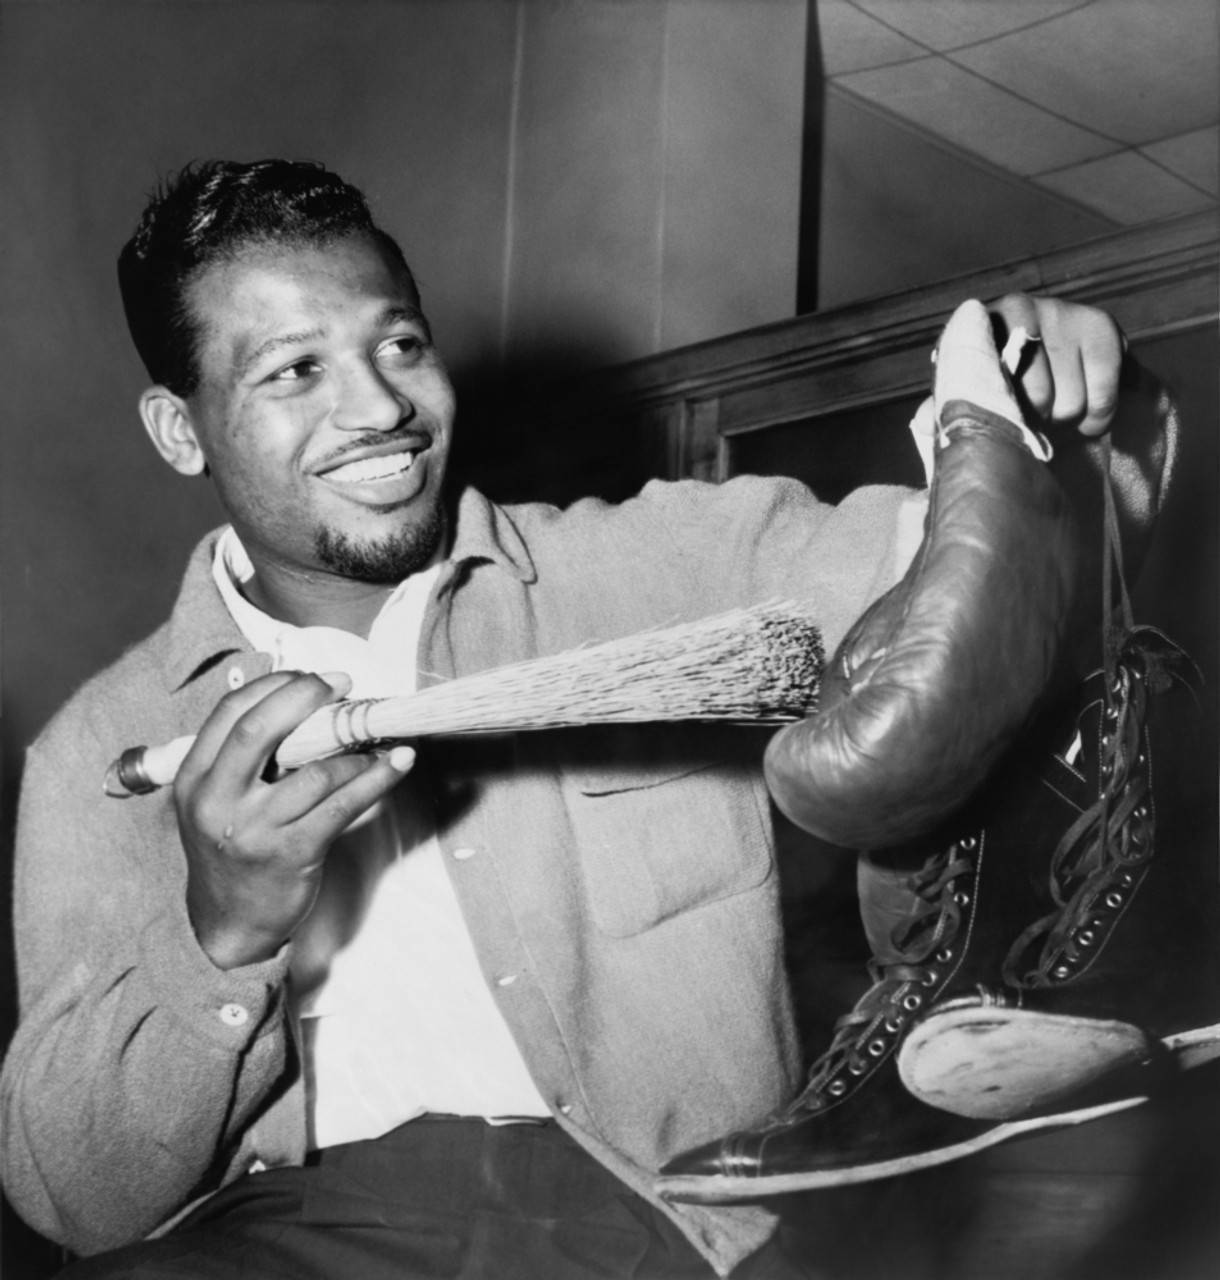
438, 1197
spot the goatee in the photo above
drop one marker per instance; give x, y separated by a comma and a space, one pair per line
388, 561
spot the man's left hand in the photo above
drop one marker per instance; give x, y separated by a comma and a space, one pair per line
1070, 376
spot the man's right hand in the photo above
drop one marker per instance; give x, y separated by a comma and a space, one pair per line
255, 848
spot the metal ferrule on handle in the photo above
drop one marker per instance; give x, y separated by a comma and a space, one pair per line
141, 770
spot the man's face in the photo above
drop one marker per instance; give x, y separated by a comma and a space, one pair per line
322, 410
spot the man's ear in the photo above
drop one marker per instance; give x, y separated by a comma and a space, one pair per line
168, 422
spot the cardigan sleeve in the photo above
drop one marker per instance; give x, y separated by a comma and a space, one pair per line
756, 538
137, 1063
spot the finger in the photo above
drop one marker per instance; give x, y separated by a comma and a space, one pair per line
1074, 378
1068, 396
339, 808
1011, 312
1101, 356
300, 791
1035, 384
1033, 378
223, 717
243, 754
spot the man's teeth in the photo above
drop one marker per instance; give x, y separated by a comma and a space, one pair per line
366, 469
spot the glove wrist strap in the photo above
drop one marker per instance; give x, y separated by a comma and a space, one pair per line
963, 417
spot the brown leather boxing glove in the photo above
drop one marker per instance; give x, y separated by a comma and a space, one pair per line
938, 676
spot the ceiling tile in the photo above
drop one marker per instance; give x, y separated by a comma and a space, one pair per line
1134, 70
1194, 156
988, 121
949, 24
1128, 188
852, 41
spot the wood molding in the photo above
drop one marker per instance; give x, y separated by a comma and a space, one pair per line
1154, 280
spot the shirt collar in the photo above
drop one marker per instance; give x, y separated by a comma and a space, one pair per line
202, 630
231, 568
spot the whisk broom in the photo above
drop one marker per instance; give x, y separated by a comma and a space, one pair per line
760, 665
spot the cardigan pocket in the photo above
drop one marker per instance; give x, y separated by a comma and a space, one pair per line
655, 843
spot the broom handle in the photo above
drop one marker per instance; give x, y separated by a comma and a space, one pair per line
140, 770
343, 725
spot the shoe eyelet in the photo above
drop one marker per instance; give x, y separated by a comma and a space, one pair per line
944, 956
1141, 811
857, 1068
837, 1088
1126, 879
1114, 900
961, 898
876, 1048
892, 1025
1086, 937
1062, 972
912, 1002
930, 979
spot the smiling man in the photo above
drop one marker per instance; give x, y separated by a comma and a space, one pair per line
324, 413
368, 1019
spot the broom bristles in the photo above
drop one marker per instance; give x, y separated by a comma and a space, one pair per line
757, 665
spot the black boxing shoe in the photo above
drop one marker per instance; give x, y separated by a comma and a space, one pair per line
854, 1121
934, 922
1105, 947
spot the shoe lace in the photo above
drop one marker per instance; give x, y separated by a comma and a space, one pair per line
1101, 858
863, 1037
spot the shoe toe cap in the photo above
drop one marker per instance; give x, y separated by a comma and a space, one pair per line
737, 1155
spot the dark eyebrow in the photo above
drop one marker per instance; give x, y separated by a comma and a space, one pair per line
274, 344
412, 315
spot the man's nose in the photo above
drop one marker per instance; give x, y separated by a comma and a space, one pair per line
367, 401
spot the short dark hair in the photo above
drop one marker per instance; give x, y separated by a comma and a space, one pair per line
207, 213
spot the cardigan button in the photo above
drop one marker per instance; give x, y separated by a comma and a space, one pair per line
236, 677
234, 1015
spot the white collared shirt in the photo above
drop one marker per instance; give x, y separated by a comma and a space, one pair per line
396, 1018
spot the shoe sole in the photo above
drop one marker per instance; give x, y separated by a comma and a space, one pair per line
989, 1063
714, 1189
1192, 1049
